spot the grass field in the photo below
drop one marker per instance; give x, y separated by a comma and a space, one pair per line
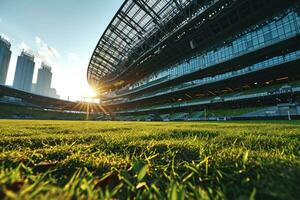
153, 160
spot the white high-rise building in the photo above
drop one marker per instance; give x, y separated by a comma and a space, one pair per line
24, 72
44, 79
5, 55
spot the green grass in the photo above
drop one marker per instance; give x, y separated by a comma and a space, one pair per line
149, 160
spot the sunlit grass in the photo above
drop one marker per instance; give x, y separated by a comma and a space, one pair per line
126, 160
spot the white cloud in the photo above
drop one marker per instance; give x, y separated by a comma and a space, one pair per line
24, 46
73, 56
38, 40
6, 37
45, 52
54, 52
1, 20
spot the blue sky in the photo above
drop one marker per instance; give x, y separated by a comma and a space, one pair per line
62, 33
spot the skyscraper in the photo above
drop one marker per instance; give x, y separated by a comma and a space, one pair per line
24, 72
5, 55
33, 88
44, 78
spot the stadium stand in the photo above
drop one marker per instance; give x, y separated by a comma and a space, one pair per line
195, 60
18, 104
27, 112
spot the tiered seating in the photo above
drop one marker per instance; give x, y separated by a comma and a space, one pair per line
19, 112
197, 115
165, 117
259, 92
230, 112
143, 118
178, 116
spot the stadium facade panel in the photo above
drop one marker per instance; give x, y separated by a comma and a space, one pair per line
186, 56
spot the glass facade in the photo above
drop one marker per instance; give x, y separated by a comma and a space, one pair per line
271, 62
277, 60
273, 31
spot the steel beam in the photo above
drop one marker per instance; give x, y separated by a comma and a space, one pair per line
121, 35
149, 11
130, 20
113, 45
111, 64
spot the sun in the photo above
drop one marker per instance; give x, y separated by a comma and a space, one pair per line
77, 91
88, 92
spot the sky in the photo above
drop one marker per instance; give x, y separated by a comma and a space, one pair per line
62, 33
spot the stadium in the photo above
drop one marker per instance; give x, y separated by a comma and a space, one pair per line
167, 74
198, 60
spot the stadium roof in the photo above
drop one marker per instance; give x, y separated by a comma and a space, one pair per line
145, 35
136, 22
